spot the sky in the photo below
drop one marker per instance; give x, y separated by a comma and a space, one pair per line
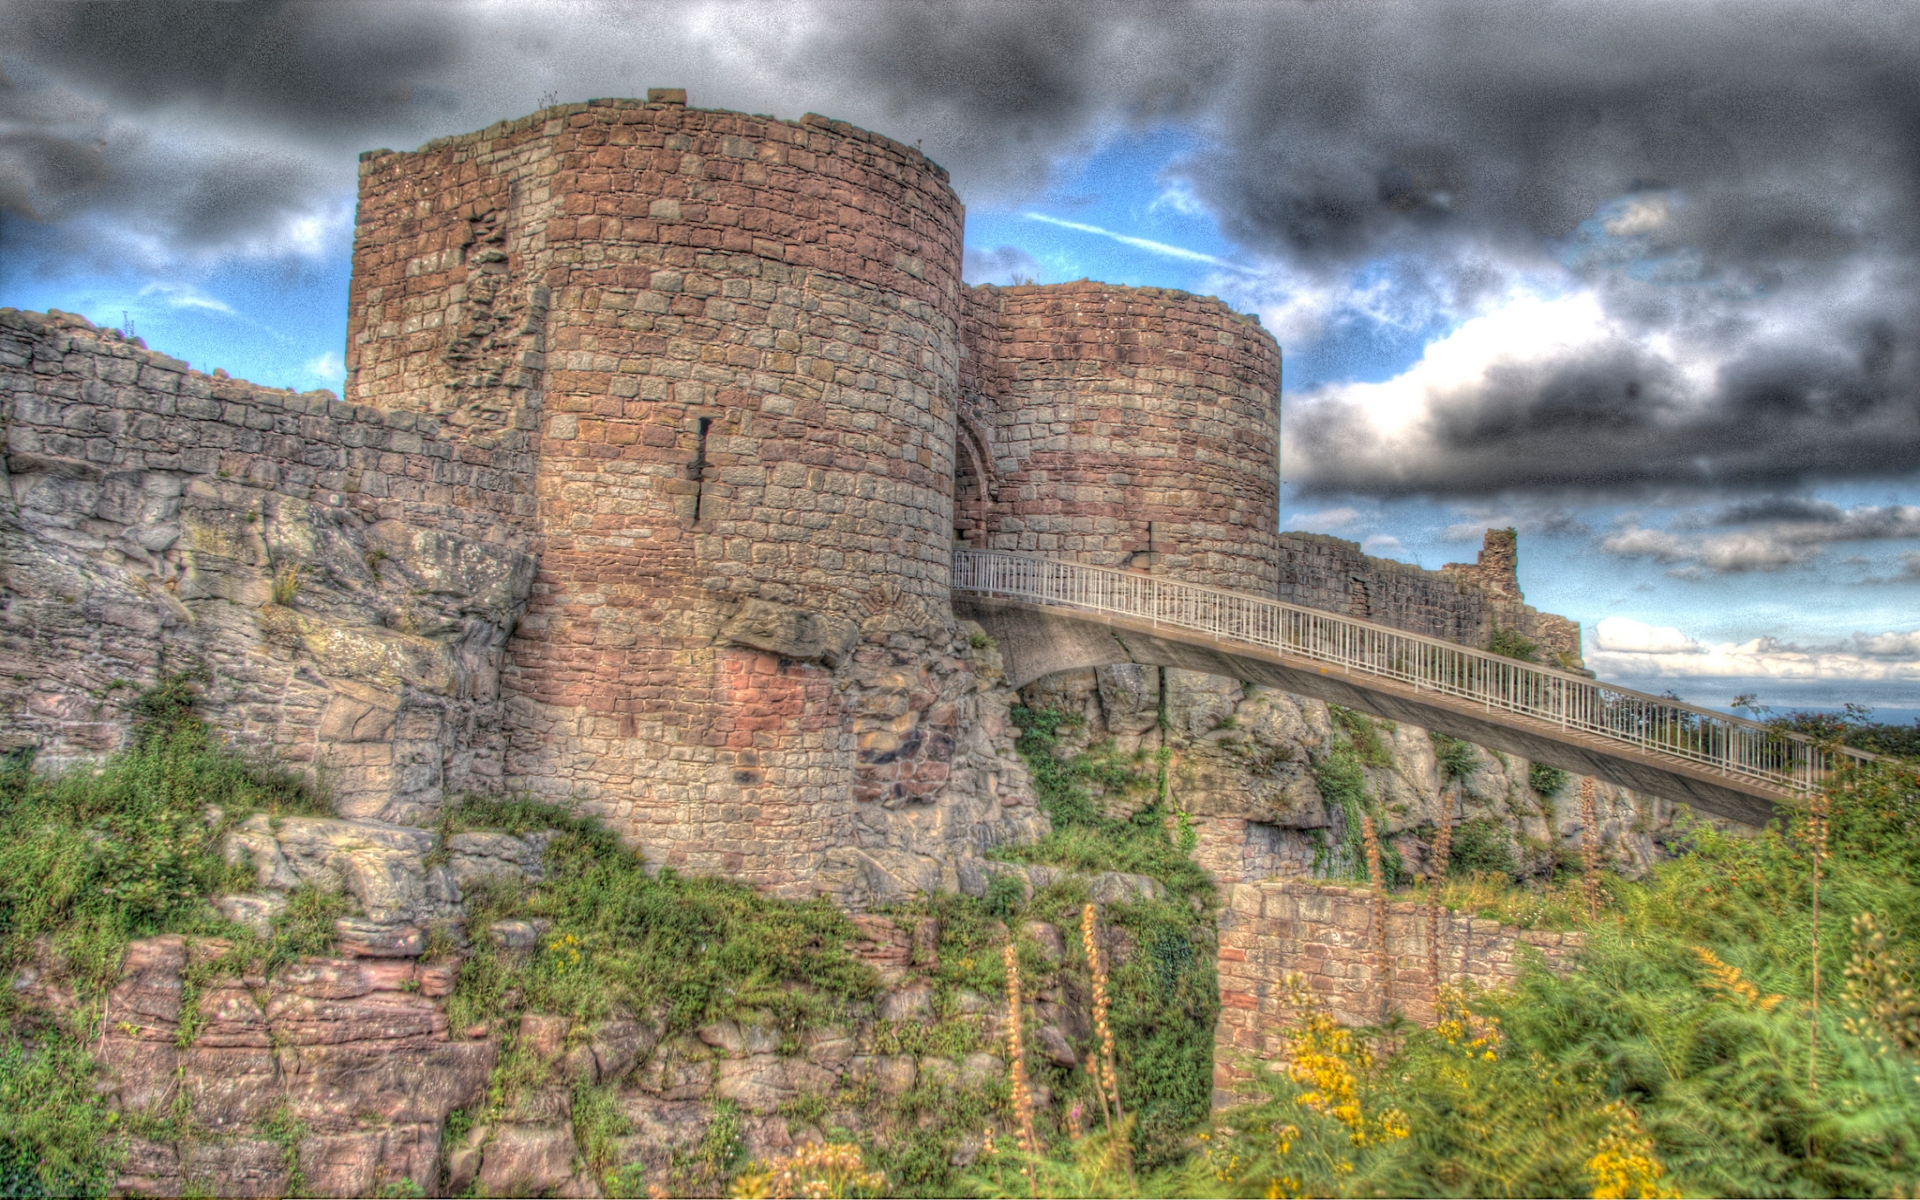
1636, 278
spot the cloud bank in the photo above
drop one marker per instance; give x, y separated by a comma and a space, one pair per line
1671, 243
1778, 532
1627, 649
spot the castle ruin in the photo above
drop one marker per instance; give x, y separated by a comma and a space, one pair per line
660, 427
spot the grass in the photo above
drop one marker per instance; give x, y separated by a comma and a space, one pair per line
623, 942
93, 858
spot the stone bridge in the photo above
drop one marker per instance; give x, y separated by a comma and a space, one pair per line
1050, 615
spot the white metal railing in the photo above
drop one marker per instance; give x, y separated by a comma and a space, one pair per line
1652, 726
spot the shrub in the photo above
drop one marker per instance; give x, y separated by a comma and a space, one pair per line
1481, 846
1458, 759
1546, 780
693, 950
1511, 643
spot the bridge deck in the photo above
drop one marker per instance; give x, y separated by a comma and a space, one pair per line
1051, 615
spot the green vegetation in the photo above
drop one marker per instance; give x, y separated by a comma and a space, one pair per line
1547, 781
1855, 727
1511, 643
1481, 846
1084, 838
1684, 1055
1165, 995
1342, 780
1679, 1056
92, 858
1458, 759
621, 941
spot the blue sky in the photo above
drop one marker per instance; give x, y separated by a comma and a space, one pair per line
1678, 349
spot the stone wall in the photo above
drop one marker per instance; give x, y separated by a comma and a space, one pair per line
342, 577
1131, 427
664, 424
1327, 935
1463, 603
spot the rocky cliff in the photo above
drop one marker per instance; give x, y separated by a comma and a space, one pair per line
1273, 784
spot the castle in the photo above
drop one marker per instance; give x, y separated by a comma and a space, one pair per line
660, 427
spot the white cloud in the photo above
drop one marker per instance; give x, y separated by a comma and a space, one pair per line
1383, 544
328, 368
1628, 636
1139, 243
1179, 196
1326, 520
182, 295
1396, 428
1629, 650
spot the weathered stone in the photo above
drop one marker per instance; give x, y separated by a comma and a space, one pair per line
151, 1169
913, 1002
417, 1086
362, 1162
239, 1167
617, 1046
791, 632
255, 910
1047, 937
977, 1069
518, 937
544, 1035
524, 1160
892, 1074
362, 938
1051, 1042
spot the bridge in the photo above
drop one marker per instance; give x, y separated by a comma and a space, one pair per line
1049, 615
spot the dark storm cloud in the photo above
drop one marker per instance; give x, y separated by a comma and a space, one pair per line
311, 66
1739, 188
213, 124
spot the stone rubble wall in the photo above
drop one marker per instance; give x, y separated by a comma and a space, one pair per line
344, 578
1464, 603
1325, 934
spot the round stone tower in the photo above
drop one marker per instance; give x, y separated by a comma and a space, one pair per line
744, 348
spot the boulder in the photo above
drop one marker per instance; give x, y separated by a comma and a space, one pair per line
255, 910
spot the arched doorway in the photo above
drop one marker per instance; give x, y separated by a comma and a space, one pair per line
972, 496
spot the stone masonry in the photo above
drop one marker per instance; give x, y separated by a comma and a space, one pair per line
661, 426
1326, 934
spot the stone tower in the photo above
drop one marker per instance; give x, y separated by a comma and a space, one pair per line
765, 406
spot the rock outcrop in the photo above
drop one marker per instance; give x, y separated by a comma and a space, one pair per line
343, 1076
1246, 765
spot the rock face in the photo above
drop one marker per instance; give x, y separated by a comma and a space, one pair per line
356, 1051
1246, 765
383, 867
343, 579
338, 1076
